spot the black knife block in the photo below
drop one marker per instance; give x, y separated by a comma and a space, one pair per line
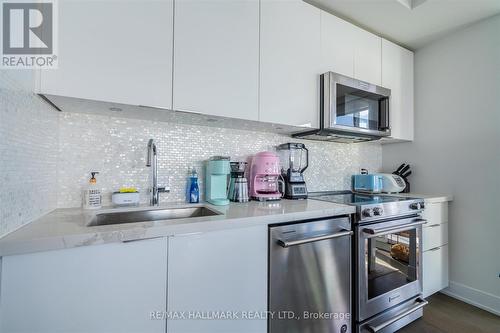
407, 188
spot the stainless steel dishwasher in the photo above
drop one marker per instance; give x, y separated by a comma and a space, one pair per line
310, 277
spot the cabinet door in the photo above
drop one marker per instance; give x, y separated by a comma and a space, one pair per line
434, 235
435, 270
289, 63
397, 75
216, 60
102, 288
337, 45
217, 272
367, 56
115, 51
435, 212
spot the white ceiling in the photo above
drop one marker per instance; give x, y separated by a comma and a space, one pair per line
413, 28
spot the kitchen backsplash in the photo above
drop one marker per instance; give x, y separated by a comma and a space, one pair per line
28, 152
116, 147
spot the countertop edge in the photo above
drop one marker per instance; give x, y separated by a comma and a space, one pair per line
432, 198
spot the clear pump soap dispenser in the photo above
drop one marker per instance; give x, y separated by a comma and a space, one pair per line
92, 197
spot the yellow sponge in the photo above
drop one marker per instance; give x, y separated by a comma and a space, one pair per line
128, 190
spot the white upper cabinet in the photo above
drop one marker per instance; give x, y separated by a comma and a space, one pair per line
367, 56
337, 45
115, 51
397, 75
216, 57
289, 63
246, 59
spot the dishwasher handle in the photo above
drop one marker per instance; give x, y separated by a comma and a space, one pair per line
288, 243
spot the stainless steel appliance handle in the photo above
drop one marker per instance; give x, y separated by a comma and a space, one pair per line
288, 243
421, 304
379, 231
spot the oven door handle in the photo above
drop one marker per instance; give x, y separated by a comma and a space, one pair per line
376, 232
288, 243
421, 304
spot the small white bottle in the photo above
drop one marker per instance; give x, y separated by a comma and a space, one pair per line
92, 198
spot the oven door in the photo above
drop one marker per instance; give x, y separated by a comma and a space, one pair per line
388, 264
355, 106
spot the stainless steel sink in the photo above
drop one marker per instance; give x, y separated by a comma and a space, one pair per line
150, 215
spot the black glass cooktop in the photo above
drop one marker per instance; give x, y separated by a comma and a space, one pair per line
349, 198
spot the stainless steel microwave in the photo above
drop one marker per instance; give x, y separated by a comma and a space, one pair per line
350, 110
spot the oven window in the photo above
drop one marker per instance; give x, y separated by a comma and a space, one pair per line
391, 261
357, 108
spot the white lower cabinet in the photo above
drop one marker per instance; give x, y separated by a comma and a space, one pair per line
435, 212
435, 264
216, 282
217, 272
434, 236
435, 270
101, 289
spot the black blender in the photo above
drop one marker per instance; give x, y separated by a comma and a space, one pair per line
294, 159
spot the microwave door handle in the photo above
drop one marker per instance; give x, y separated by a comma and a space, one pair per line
299, 241
374, 232
384, 114
420, 304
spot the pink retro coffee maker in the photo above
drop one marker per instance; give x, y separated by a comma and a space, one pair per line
265, 177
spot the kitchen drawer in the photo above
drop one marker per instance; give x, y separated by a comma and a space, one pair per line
435, 270
434, 235
366, 327
436, 212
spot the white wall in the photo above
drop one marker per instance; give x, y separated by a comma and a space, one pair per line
457, 150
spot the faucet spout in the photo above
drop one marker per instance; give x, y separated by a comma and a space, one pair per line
152, 162
151, 152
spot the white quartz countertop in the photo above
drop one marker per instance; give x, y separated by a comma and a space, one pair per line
67, 228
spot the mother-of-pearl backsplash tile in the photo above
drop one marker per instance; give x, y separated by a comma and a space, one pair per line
116, 147
28, 152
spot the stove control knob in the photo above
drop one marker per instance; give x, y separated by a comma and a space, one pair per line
378, 211
368, 212
416, 206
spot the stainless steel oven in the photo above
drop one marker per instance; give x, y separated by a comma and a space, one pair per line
387, 259
389, 264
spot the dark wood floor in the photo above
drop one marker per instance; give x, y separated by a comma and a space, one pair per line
448, 315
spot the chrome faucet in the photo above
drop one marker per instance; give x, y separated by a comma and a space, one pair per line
152, 162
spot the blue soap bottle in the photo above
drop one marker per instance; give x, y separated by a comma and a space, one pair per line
193, 190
